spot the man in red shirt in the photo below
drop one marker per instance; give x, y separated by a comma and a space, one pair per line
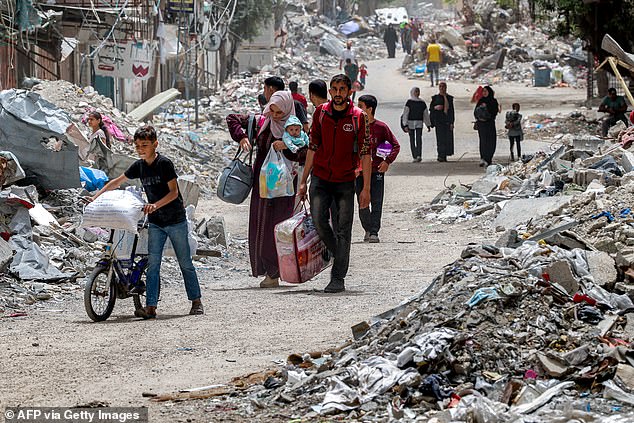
385, 148
296, 95
339, 140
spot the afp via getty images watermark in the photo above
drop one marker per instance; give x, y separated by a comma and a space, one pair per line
76, 415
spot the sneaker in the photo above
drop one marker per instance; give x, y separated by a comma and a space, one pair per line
419, 159
415, 160
374, 239
335, 285
366, 238
482, 163
269, 282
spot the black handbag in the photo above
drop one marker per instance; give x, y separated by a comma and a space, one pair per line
236, 180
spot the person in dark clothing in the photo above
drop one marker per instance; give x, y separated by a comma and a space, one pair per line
166, 217
265, 213
385, 149
275, 83
390, 38
415, 116
513, 123
615, 106
442, 116
485, 112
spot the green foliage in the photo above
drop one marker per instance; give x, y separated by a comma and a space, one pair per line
250, 17
591, 21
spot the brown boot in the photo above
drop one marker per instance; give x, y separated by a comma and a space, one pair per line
269, 282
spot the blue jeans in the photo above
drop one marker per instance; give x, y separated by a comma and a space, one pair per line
322, 195
371, 216
157, 236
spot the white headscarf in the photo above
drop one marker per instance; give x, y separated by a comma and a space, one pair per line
283, 100
413, 96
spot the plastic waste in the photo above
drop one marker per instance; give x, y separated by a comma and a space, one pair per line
483, 294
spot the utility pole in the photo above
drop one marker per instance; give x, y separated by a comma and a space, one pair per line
196, 92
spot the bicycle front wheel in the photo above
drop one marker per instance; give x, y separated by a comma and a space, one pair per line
99, 298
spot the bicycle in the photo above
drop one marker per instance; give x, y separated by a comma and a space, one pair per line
115, 278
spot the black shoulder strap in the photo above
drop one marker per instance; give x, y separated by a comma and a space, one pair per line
355, 127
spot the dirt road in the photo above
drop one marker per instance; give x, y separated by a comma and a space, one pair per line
56, 357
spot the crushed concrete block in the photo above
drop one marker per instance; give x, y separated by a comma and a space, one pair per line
6, 254
624, 258
508, 239
552, 366
627, 161
516, 212
602, 267
561, 273
215, 227
484, 186
625, 373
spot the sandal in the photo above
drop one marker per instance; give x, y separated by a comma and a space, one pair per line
197, 309
143, 313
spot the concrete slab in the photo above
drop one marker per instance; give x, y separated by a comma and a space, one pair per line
6, 254
561, 273
516, 212
602, 267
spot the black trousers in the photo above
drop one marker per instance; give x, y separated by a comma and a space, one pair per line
515, 140
371, 217
416, 142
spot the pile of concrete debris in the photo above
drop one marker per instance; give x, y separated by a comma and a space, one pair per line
525, 334
537, 328
44, 251
471, 52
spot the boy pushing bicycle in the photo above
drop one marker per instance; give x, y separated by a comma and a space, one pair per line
166, 216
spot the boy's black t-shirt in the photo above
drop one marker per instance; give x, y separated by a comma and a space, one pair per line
154, 179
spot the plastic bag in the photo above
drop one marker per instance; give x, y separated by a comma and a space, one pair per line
118, 209
94, 179
301, 254
276, 177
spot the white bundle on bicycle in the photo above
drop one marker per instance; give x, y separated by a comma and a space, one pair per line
117, 209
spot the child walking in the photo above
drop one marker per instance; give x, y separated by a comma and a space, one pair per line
513, 124
385, 148
166, 215
363, 72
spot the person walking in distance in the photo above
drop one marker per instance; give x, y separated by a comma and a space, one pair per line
390, 38
296, 95
442, 116
385, 149
346, 54
513, 124
485, 112
415, 116
339, 140
434, 58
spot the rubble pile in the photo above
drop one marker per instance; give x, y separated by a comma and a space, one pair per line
193, 151
521, 335
474, 53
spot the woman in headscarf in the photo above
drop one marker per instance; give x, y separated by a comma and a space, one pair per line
265, 213
485, 112
414, 116
442, 116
